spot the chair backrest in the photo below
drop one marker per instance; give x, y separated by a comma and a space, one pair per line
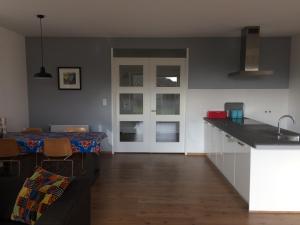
33, 130
57, 147
63, 128
76, 129
9, 148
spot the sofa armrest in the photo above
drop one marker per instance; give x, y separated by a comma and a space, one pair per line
73, 208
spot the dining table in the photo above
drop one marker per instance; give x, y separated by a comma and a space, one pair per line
88, 142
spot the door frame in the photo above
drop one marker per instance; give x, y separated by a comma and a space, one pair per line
114, 91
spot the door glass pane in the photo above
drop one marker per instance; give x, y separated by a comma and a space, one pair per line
167, 131
131, 75
131, 103
168, 76
131, 131
167, 104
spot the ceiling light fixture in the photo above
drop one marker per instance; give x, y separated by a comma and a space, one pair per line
42, 74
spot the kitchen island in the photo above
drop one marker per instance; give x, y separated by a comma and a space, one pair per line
265, 171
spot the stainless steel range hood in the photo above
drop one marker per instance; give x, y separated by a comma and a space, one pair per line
250, 52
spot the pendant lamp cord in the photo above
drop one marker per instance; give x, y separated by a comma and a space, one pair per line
42, 45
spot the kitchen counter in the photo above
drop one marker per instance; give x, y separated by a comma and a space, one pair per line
261, 168
254, 133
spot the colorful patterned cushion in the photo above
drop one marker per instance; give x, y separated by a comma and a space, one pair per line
37, 194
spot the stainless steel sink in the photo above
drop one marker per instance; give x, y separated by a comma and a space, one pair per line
284, 137
287, 137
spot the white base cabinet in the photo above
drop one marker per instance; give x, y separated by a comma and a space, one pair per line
219, 144
231, 157
209, 142
242, 170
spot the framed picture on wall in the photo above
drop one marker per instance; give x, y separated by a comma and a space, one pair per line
69, 78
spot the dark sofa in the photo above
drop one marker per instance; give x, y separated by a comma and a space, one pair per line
73, 208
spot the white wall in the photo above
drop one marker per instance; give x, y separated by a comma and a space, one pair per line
294, 91
13, 80
257, 101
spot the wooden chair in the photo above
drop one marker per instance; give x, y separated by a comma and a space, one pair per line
9, 152
59, 150
32, 130
76, 129
79, 130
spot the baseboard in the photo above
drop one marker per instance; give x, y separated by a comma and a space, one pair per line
196, 154
106, 152
187, 153
273, 212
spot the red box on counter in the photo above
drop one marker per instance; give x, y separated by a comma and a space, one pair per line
216, 114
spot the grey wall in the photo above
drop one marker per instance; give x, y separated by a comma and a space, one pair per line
48, 105
211, 59
294, 90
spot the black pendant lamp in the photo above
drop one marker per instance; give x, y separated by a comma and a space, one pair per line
42, 74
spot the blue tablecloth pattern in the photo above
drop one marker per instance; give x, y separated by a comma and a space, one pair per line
81, 142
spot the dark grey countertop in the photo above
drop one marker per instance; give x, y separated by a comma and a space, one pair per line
254, 133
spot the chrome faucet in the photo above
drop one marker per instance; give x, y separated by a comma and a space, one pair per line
282, 117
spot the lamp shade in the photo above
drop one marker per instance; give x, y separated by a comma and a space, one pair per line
42, 74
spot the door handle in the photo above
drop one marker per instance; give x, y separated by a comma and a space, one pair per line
153, 110
229, 137
241, 144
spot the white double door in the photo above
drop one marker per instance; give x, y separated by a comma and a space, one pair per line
149, 105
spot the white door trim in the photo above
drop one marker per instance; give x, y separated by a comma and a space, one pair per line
115, 87
186, 98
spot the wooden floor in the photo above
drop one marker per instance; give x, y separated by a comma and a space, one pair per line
145, 189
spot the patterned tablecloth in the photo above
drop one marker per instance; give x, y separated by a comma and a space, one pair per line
81, 142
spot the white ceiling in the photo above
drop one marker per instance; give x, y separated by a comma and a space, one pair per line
151, 18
